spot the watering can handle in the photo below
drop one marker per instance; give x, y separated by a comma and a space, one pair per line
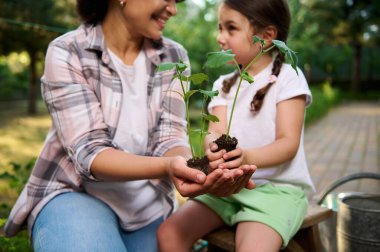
345, 179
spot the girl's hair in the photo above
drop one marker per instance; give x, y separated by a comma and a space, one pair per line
92, 12
261, 14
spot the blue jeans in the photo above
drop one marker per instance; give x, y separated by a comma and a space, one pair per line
80, 222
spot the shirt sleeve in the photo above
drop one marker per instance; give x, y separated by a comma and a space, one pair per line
74, 108
292, 85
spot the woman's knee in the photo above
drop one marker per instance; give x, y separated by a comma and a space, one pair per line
75, 221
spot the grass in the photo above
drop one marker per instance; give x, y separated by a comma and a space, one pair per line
21, 139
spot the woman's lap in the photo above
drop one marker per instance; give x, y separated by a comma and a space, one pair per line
80, 222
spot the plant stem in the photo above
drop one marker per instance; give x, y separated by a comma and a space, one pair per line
188, 128
203, 122
240, 81
233, 107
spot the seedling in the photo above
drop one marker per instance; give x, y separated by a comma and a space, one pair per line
198, 158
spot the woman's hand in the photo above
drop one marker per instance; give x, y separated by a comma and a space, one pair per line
231, 164
191, 182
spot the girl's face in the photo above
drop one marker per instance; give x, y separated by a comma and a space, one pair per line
236, 33
148, 17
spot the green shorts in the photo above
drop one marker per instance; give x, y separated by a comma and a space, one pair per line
279, 207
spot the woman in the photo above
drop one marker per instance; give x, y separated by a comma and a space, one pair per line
102, 180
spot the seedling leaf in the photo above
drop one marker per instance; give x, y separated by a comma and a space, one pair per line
198, 78
211, 118
165, 66
209, 94
288, 52
218, 59
258, 39
189, 93
246, 76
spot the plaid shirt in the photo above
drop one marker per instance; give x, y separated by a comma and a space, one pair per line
83, 94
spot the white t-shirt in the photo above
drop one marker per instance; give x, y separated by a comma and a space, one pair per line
259, 130
136, 203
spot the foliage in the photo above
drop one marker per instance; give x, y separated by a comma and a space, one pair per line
16, 180
18, 177
324, 98
12, 85
22, 28
335, 24
18, 243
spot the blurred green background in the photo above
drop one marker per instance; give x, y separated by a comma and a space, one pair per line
337, 43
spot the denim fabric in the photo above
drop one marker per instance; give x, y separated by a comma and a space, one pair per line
79, 222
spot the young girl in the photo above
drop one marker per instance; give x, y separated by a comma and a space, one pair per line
268, 124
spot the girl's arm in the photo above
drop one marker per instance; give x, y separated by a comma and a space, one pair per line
289, 123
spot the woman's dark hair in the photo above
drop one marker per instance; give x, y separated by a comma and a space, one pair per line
261, 14
92, 12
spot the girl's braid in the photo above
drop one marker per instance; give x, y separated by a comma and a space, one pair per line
228, 83
258, 99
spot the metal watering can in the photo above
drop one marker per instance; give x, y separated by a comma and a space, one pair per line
356, 224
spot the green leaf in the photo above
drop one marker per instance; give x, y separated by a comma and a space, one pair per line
208, 93
211, 118
218, 59
198, 78
165, 66
7, 175
246, 76
288, 52
189, 93
181, 67
258, 39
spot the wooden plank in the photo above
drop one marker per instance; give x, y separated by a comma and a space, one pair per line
306, 239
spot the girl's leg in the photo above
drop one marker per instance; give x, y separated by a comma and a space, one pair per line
192, 221
256, 236
144, 239
76, 222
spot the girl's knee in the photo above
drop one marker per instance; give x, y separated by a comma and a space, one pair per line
169, 237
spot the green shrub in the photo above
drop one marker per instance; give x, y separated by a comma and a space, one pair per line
13, 86
324, 97
18, 243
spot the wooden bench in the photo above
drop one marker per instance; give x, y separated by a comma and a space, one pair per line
306, 239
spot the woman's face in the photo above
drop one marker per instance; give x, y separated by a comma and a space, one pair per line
236, 33
148, 17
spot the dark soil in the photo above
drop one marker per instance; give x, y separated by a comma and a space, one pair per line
201, 164
226, 142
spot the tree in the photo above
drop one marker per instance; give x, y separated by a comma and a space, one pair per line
29, 26
340, 23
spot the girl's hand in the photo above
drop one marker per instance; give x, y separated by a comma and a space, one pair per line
232, 159
215, 158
